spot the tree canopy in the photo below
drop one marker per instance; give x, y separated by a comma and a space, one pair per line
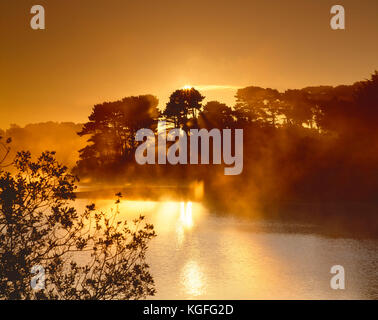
111, 129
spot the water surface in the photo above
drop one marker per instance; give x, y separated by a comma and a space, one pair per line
199, 255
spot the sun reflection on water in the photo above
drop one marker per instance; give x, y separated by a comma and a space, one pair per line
197, 255
175, 222
192, 279
186, 215
184, 222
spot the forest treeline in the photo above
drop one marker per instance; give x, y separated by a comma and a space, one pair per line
311, 145
39, 137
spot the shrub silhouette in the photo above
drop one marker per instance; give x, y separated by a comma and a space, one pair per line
39, 226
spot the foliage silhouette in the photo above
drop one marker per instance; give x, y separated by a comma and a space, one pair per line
86, 255
112, 127
217, 115
183, 108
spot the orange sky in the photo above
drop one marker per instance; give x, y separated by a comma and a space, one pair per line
92, 51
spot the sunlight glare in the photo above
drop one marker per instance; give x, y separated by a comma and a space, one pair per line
186, 214
193, 279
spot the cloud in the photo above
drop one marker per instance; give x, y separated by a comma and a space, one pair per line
216, 87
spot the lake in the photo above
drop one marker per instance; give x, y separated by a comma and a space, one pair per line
200, 255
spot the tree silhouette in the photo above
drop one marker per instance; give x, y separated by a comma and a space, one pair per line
366, 97
112, 127
217, 115
183, 105
298, 109
85, 255
255, 104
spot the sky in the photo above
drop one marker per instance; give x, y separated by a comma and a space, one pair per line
95, 51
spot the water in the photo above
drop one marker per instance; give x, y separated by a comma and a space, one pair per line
199, 255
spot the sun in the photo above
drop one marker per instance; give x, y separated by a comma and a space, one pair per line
187, 87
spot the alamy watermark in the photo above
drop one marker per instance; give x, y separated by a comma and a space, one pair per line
38, 280
38, 20
177, 153
337, 21
338, 280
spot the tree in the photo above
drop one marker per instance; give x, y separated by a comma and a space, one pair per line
298, 109
183, 105
85, 255
217, 115
332, 107
366, 97
112, 127
255, 104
